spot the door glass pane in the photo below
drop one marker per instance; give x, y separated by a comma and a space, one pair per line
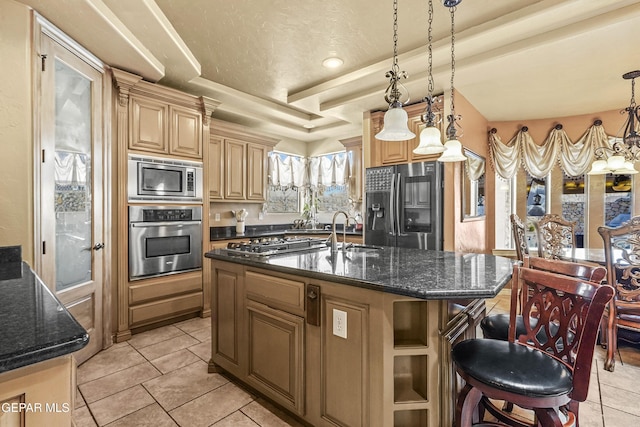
72, 177
617, 199
536, 207
416, 213
574, 203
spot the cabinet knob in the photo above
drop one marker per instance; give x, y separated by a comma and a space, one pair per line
311, 294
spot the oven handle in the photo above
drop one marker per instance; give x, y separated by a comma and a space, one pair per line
164, 224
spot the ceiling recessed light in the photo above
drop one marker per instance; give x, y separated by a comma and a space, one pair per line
332, 62
308, 126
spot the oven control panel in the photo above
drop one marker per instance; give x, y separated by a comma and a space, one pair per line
153, 215
164, 213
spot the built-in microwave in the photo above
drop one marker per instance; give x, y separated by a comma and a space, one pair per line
153, 178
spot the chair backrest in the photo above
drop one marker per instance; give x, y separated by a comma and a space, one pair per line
622, 255
590, 272
518, 230
561, 316
555, 235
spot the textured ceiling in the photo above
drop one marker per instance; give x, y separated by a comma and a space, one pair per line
515, 59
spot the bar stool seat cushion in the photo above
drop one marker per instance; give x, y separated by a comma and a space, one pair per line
514, 368
496, 327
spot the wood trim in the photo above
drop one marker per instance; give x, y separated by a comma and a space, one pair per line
124, 82
152, 312
157, 288
231, 130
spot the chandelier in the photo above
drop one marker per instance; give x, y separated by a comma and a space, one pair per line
430, 142
453, 147
395, 119
625, 151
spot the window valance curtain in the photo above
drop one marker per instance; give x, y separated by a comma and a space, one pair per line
574, 158
294, 171
475, 167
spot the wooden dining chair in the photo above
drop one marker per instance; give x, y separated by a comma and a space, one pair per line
496, 326
519, 236
622, 255
546, 368
555, 235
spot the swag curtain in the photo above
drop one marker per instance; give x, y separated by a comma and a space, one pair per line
574, 158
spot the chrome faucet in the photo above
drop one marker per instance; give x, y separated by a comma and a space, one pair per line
334, 237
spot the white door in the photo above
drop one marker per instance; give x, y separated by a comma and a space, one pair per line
69, 110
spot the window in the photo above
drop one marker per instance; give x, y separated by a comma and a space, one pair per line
574, 204
617, 199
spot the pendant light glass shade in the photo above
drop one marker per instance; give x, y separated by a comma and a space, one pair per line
395, 125
453, 152
430, 142
598, 167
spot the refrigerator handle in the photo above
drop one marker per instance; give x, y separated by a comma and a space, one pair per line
397, 206
392, 207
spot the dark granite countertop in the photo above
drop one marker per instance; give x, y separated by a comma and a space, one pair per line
273, 230
34, 325
424, 274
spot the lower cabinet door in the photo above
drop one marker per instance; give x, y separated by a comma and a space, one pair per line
276, 355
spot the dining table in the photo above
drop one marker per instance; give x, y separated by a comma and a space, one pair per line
595, 255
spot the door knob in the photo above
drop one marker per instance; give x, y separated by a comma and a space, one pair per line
98, 246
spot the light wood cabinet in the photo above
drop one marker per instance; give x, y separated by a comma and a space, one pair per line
238, 158
257, 172
216, 171
276, 355
48, 386
398, 152
148, 125
228, 339
185, 132
235, 165
165, 121
277, 333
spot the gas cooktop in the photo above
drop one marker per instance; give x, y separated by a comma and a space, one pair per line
267, 246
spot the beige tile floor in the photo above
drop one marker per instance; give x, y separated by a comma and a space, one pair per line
159, 378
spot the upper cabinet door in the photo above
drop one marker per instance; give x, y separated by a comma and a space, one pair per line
257, 172
185, 132
235, 167
216, 168
148, 125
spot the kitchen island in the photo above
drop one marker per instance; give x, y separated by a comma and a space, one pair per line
357, 337
37, 337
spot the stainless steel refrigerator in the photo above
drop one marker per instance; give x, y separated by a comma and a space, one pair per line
404, 205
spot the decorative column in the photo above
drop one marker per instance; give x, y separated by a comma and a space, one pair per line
208, 106
123, 82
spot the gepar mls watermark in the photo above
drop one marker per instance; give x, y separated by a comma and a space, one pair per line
54, 407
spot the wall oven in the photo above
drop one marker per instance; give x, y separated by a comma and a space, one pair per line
164, 240
152, 178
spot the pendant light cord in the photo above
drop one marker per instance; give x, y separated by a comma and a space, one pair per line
396, 67
430, 86
453, 59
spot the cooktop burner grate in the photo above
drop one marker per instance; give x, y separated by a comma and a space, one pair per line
273, 246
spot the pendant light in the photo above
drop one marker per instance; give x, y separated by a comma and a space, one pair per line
430, 139
625, 151
453, 147
395, 119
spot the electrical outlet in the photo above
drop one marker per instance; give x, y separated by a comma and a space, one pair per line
260, 215
340, 323
217, 217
